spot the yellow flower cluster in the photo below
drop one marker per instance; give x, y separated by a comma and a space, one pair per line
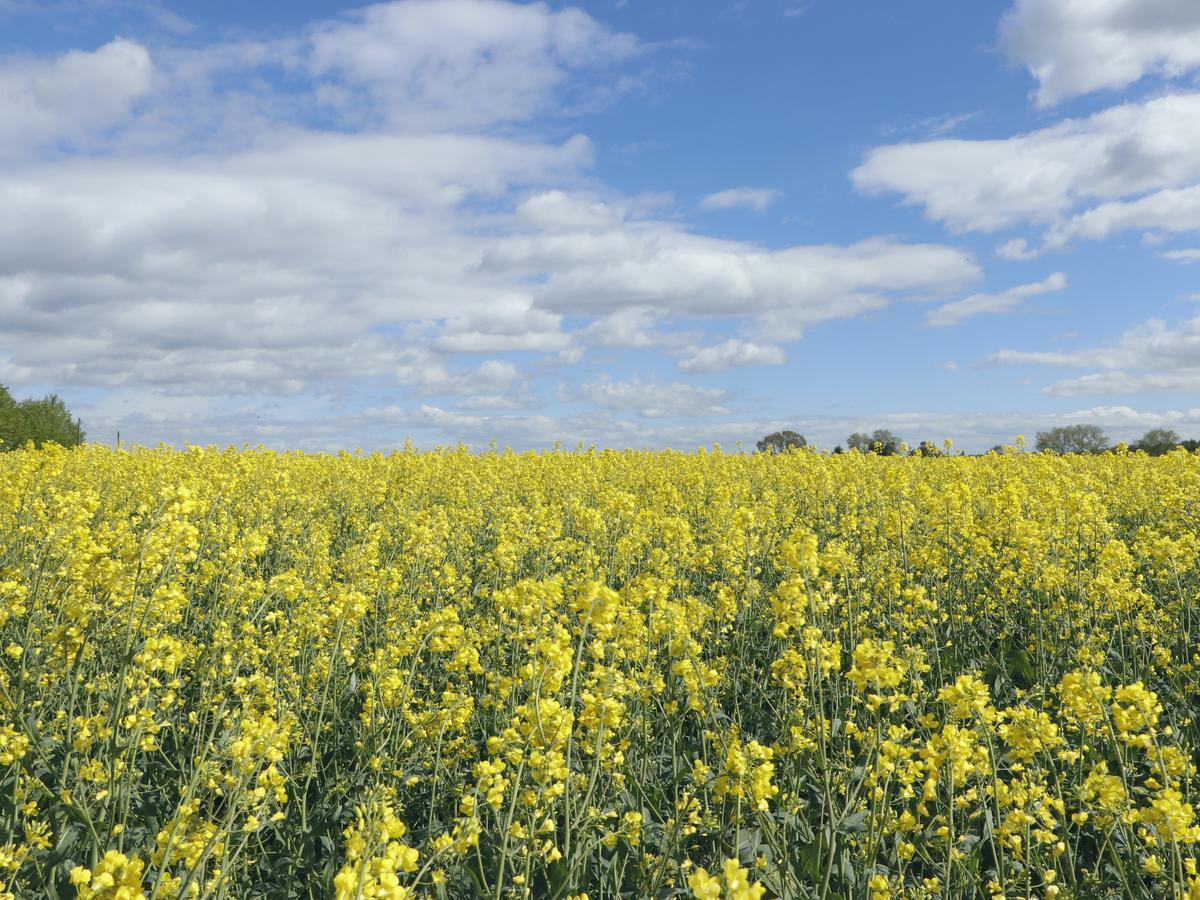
732, 884
115, 878
375, 856
233, 673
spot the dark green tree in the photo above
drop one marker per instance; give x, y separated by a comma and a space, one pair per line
1157, 441
779, 441
11, 423
44, 421
1073, 439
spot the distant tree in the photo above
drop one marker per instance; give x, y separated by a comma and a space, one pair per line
50, 422
45, 421
780, 441
1191, 445
879, 441
12, 425
1073, 439
860, 442
925, 448
1157, 441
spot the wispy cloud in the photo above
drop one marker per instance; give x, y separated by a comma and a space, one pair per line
757, 199
1005, 301
1152, 357
1187, 256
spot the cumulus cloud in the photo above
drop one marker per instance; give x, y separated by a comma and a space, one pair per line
730, 354
1017, 249
1176, 210
656, 400
632, 327
1074, 48
656, 265
295, 257
508, 322
1045, 176
263, 270
757, 199
958, 311
72, 96
456, 63
564, 211
410, 65
360, 229
428, 375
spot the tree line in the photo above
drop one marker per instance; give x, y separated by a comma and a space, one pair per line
1064, 439
48, 421
44, 421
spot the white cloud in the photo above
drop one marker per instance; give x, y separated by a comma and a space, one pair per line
425, 374
757, 199
521, 431
1176, 210
295, 267
959, 310
1081, 46
508, 322
411, 65
656, 265
730, 354
1150, 357
1018, 250
491, 403
931, 126
1036, 357
1109, 383
214, 268
264, 270
1043, 176
1186, 256
561, 210
632, 327
387, 427
457, 63
1127, 416
655, 400
72, 96
1151, 344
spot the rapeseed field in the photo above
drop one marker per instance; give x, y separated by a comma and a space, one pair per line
238, 673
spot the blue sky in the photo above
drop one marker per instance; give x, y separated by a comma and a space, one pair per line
327, 225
